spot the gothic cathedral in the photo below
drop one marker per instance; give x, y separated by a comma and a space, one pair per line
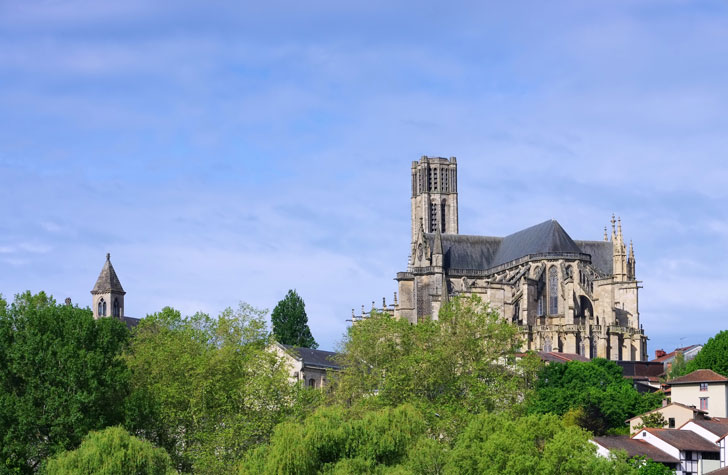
566, 296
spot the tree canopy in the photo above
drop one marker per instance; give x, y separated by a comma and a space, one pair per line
602, 398
111, 451
206, 389
714, 355
290, 323
61, 375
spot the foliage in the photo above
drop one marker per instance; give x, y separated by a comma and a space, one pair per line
497, 443
462, 362
290, 323
205, 389
61, 375
110, 452
678, 367
398, 440
714, 355
597, 387
652, 419
336, 441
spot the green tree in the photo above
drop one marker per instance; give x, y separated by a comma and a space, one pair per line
111, 452
499, 443
61, 375
290, 323
714, 355
205, 389
652, 419
597, 387
462, 362
678, 367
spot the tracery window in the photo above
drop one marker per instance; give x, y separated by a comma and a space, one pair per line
102, 308
116, 310
539, 309
553, 291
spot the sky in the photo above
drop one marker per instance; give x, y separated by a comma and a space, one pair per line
230, 151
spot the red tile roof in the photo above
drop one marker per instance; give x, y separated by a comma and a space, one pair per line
672, 354
700, 376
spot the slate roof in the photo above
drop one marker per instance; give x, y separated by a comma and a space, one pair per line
684, 439
131, 322
716, 426
311, 357
699, 376
635, 447
469, 252
107, 281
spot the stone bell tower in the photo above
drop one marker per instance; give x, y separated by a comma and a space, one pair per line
108, 294
435, 195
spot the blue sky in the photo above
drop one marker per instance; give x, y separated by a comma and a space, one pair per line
228, 151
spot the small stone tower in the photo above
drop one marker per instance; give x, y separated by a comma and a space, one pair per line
435, 195
108, 295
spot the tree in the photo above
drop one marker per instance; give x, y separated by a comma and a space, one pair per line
499, 443
61, 375
678, 367
462, 363
205, 389
714, 355
597, 387
111, 452
651, 419
290, 323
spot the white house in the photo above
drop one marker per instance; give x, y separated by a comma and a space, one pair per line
704, 389
696, 454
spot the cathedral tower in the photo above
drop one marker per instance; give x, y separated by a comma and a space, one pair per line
435, 195
108, 295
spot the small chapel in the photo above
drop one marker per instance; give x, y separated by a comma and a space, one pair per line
108, 296
565, 295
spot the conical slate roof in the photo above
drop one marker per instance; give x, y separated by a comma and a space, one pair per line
107, 281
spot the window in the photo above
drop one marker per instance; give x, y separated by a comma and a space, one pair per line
539, 310
671, 423
547, 345
433, 217
553, 291
102, 308
116, 309
688, 455
703, 386
311, 383
703, 403
442, 217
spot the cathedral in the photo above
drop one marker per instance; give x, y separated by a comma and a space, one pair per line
565, 295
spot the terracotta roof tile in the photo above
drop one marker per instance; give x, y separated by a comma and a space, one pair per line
699, 376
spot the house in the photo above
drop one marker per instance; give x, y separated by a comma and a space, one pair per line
711, 429
666, 359
696, 454
675, 414
634, 448
704, 389
308, 365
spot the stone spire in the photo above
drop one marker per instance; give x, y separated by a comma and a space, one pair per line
619, 263
108, 294
605, 234
631, 262
614, 234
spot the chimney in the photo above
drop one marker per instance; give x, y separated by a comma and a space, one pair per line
659, 353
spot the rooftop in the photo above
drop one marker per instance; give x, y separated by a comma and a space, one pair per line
311, 357
635, 447
717, 426
699, 376
108, 280
683, 439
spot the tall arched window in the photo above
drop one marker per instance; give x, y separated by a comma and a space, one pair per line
102, 307
116, 309
433, 217
442, 217
553, 291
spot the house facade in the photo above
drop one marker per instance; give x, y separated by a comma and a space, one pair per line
705, 389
